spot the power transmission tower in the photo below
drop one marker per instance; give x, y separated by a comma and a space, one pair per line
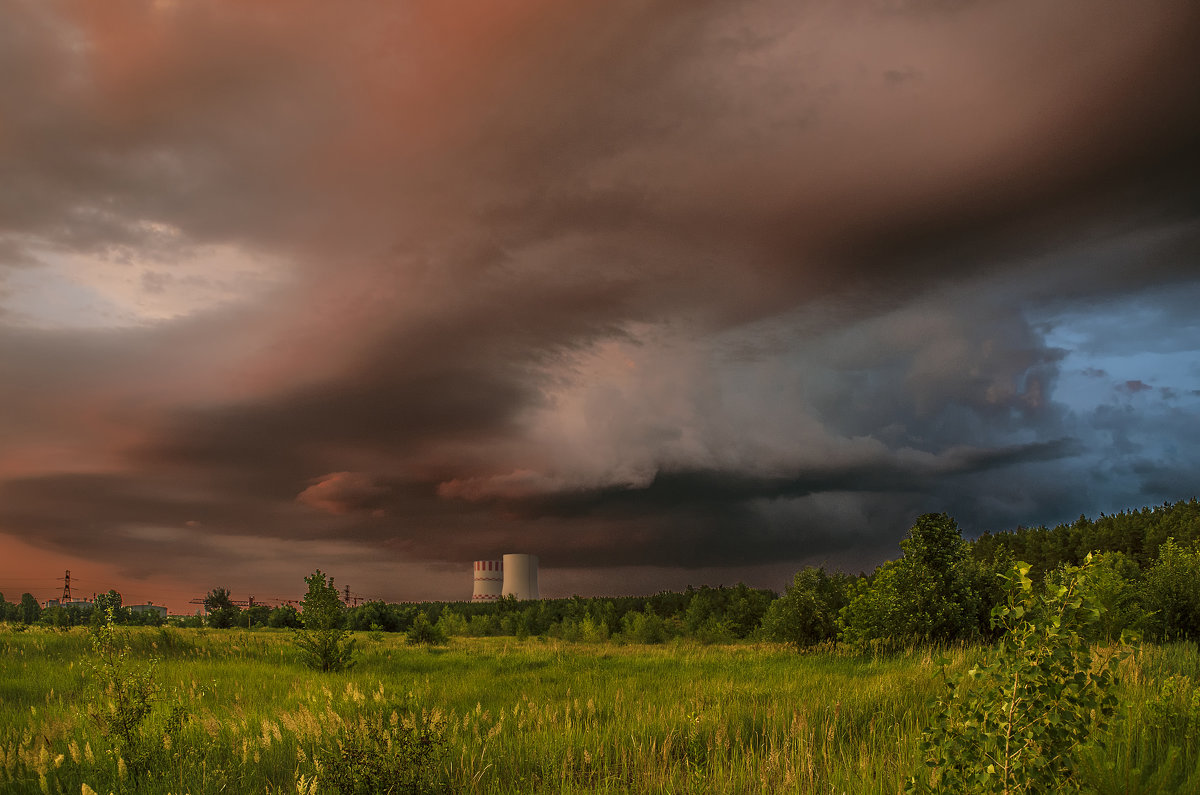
66, 594
351, 600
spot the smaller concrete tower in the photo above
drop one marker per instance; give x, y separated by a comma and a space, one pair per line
489, 580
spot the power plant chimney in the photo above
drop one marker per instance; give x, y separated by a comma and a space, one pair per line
489, 580
520, 576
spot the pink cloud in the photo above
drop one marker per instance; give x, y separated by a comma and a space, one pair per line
342, 493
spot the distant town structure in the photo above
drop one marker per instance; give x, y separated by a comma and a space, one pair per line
515, 575
150, 607
69, 598
85, 604
489, 580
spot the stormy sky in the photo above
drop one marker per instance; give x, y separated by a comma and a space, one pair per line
661, 292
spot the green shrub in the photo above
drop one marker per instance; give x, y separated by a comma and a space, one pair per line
646, 627
424, 632
1114, 584
591, 631
1175, 711
715, 630
1015, 722
807, 613
380, 756
1171, 593
452, 623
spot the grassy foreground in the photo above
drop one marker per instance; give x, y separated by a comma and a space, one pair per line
545, 716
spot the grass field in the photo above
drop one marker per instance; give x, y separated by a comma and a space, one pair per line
541, 716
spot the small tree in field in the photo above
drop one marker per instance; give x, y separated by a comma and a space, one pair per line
323, 642
222, 612
1016, 722
926, 596
124, 696
29, 609
423, 631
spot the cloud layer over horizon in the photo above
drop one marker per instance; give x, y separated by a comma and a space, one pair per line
659, 292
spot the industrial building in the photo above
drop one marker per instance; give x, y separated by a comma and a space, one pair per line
515, 575
489, 580
85, 604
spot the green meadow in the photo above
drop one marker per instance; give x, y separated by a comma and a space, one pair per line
536, 715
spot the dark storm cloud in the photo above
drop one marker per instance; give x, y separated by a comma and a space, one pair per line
708, 518
130, 520
613, 282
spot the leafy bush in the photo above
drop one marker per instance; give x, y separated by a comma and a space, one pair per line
1015, 723
424, 632
807, 613
715, 630
380, 756
1114, 584
452, 623
1171, 593
645, 627
591, 631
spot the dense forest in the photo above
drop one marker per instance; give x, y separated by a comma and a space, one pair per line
1145, 571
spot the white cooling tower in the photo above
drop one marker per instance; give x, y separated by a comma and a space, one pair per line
488, 580
521, 576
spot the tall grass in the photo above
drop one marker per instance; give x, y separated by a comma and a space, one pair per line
1154, 743
541, 716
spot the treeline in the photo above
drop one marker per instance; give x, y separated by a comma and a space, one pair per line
1145, 574
710, 615
1138, 535
1145, 577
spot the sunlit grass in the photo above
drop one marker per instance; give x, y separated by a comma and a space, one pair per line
548, 716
